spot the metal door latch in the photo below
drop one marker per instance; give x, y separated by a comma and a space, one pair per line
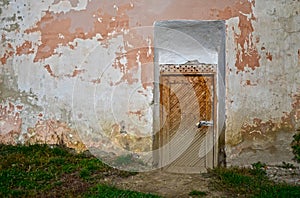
204, 123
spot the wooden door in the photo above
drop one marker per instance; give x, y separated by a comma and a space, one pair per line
185, 100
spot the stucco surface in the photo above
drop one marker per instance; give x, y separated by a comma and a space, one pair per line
80, 71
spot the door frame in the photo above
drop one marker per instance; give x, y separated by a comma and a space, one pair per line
189, 68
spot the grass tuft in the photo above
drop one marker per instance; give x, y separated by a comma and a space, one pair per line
106, 191
251, 183
196, 193
36, 170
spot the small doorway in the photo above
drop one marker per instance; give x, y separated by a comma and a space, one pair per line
186, 97
189, 87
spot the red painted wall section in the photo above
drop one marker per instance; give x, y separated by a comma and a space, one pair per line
62, 28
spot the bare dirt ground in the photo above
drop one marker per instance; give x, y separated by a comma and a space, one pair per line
167, 184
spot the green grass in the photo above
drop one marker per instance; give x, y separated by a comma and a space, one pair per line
287, 165
37, 170
127, 160
32, 171
106, 191
196, 193
251, 183
123, 160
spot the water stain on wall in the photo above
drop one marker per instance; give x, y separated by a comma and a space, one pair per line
54, 132
10, 123
262, 129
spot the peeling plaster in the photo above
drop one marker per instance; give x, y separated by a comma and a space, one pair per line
77, 24
73, 3
56, 52
10, 123
9, 52
25, 48
247, 54
54, 132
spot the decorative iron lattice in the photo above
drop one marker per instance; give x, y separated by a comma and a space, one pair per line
188, 68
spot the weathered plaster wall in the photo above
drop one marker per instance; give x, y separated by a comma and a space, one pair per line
263, 99
79, 69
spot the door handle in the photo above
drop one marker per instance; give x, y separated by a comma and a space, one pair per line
204, 123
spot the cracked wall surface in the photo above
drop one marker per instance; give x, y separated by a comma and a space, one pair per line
79, 71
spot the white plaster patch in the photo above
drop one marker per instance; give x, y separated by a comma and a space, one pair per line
187, 44
123, 60
62, 6
65, 6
